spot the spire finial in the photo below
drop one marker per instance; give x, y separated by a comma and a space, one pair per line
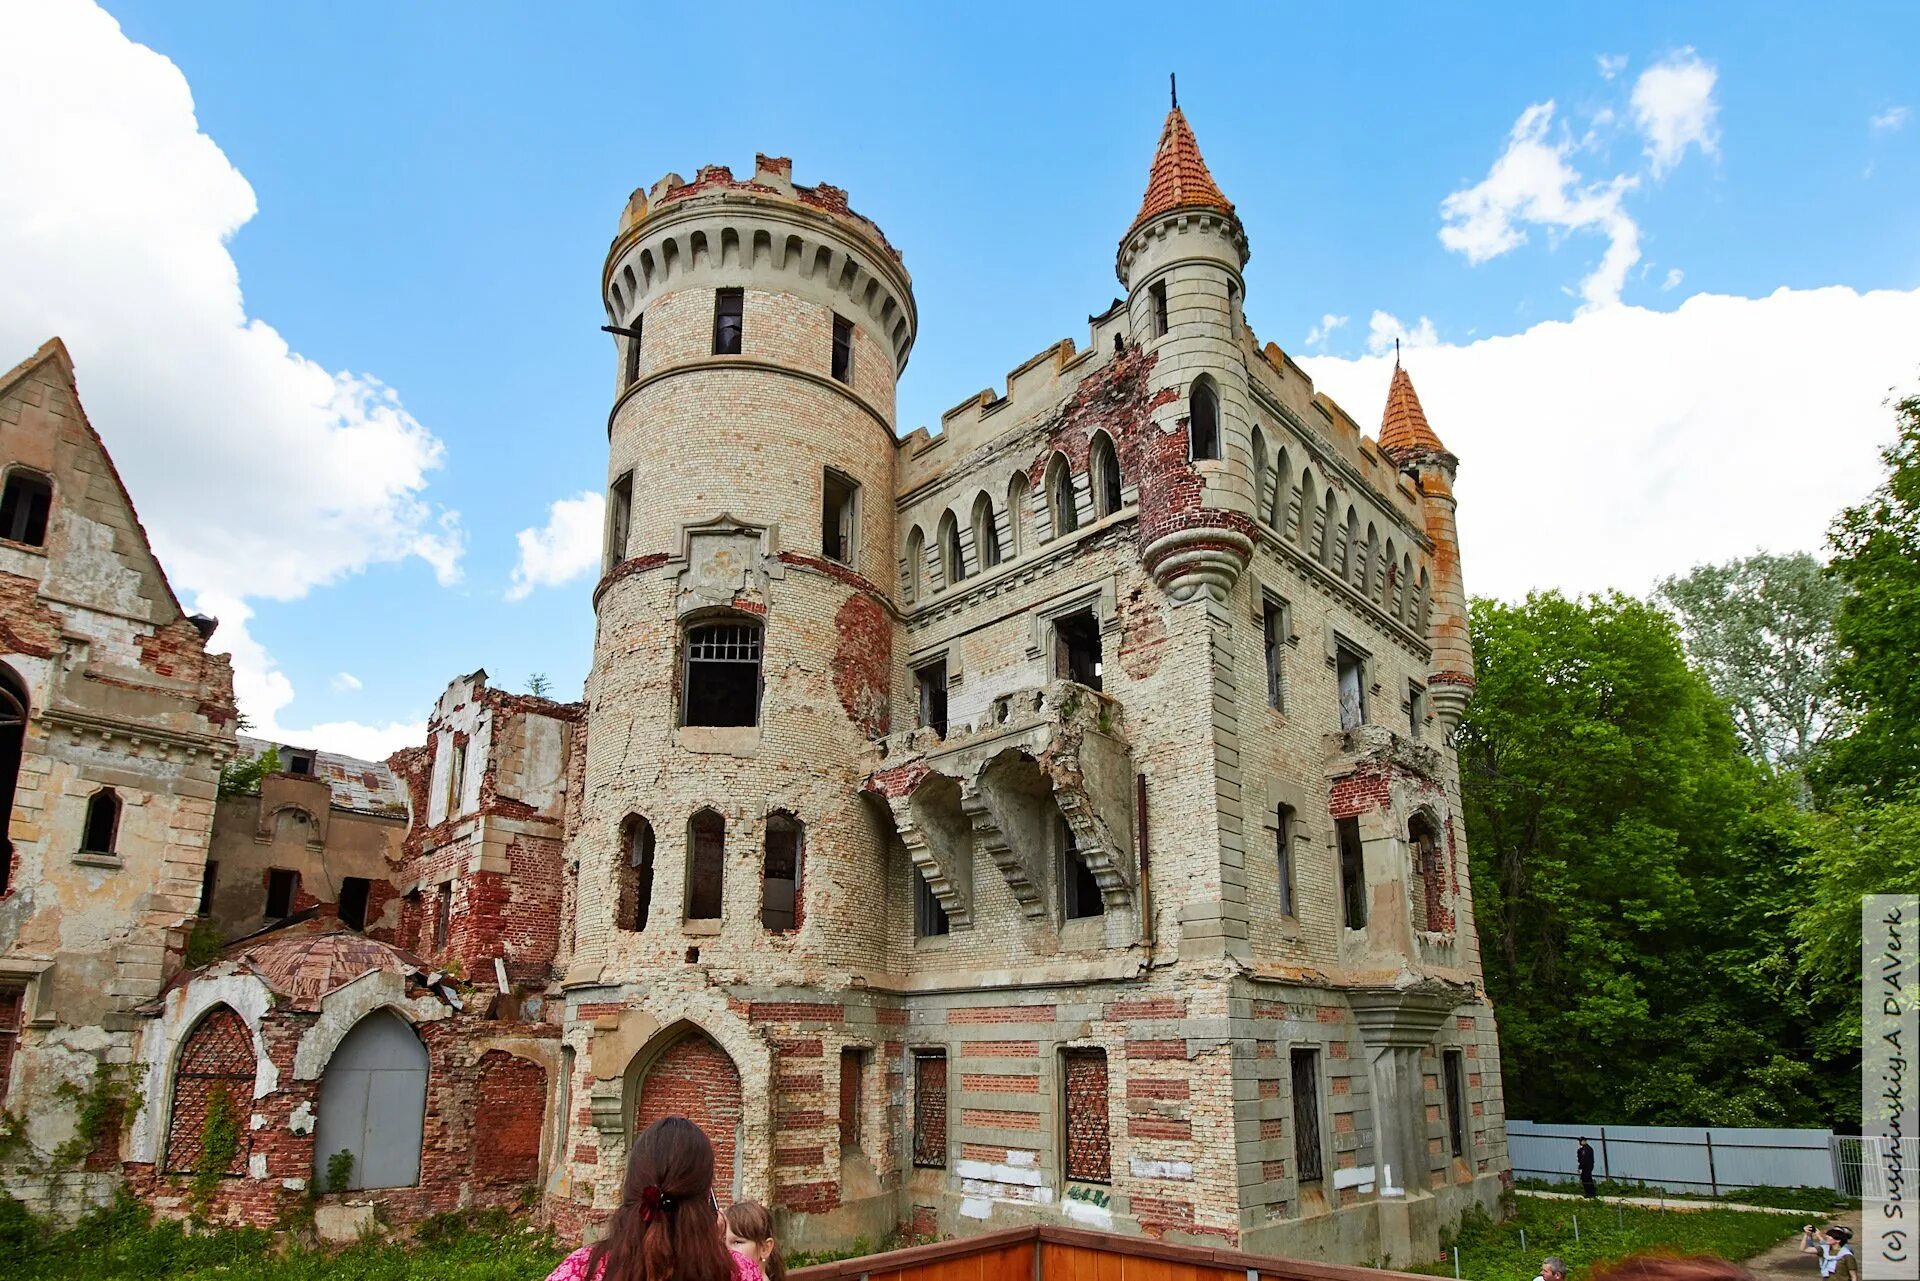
1173, 88
1396, 353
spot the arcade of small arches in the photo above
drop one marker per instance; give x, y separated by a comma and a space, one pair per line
782, 864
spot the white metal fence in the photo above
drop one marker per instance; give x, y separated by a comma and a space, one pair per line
1695, 1159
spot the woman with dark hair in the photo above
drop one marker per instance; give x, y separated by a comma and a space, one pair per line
668, 1225
750, 1232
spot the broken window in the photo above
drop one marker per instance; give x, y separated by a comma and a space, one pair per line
1060, 497
838, 502
1104, 469
633, 349
1273, 631
706, 865
843, 350
929, 918
780, 872
1079, 891
1203, 420
24, 508
930, 1108
354, 892
1424, 875
931, 682
1089, 1151
1076, 648
852, 1070
634, 898
728, 321
442, 915
986, 534
209, 877
619, 519
1353, 874
1309, 1162
1283, 855
103, 822
952, 567
1157, 299
1456, 1102
1416, 708
1350, 668
282, 883
723, 673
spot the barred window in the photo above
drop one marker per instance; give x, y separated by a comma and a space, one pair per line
1088, 1149
930, 1109
723, 674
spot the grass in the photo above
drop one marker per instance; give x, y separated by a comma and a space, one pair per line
1813, 1200
1492, 1252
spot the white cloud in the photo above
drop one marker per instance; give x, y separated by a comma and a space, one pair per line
1318, 335
258, 473
1627, 444
1674, 277
1674, 106
1611, 64
1890, 120
1533, 182
1384, 327
563, 549
346, 682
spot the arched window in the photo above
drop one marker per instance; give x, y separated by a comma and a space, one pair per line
986, 533
103, 822
1400, 609
1259, 473
1303, 532
953, 567
1203, 419
1329, 530
1390, 581
633, 898
373, 1104
1423, 603
13, 730
214, 1079
1017, 513
1349, 549
1366, 580
24, 506
1103, 472
722, 673
1060, 497
916, 564
706, 865
780, 872
1282, 491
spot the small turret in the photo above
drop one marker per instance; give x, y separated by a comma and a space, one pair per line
1410, 441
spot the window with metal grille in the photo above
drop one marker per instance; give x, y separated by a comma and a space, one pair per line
634, 899
354, 892
24, 507
1089, 1150
1079, 891
1283, 855
780, 872
1309, 1162
1353, 874
930, 1109
706, 866
1456, 1102
103, 822
215, 1075
281, 884
843, 350
729, 307
13, 1004
723, 674
929, 918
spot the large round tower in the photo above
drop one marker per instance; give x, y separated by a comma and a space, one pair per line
743, 649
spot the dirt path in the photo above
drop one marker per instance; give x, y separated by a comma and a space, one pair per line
1784, 1262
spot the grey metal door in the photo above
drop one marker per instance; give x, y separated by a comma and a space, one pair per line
373, 1098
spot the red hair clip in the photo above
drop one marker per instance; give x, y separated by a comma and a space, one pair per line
651, 1202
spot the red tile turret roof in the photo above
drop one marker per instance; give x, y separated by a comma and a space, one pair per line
1179, 179
1403, 427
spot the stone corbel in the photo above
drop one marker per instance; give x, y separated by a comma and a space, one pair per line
940, 844
990, 833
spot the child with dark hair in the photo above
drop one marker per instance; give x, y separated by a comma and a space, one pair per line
750, 1232
668, 1225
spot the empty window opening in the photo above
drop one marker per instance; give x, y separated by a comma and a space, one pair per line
838, 504
1203, 420
986, 532
1353, 874
1076, 648
1309, 1161
456, 777
1273, 625
853, 1062
442, 914
635, 898
1060, 497
1105, 469
13, 730
1425, 882
780, 872
1456, 1103
843, 350
103, 822
1079, 891
300, 763
619, 518
633, 349
706, 865
931, 682
209, 877
723, 674
1351, 668
929, 918
1283, 821
1089, 1150
1016, 513
1157, 299
282, 882
24, 508
916, 564
354, 892
728, 322
1416, 708
930, 1109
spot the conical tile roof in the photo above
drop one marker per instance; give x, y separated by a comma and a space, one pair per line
1404, 430
1179, 179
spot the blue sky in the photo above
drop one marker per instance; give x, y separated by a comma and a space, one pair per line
434, 187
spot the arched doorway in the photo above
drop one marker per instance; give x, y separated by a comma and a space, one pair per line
214, 1081
691, 1076
373, 1100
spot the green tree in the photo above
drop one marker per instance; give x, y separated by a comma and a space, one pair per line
1761, 630
1876, 547
241, 777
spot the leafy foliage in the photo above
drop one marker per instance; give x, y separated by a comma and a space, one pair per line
203, 943
339, 1170
219, 1145
539, 685
242, 778
110, 1099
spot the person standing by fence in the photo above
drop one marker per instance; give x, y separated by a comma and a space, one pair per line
1583, 1157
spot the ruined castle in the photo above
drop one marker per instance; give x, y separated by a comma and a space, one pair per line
1052, 818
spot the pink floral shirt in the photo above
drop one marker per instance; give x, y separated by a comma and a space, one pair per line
574, 1267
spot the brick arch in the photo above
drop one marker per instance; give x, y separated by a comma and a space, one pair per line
511, 1094
215, 1058
690, 1075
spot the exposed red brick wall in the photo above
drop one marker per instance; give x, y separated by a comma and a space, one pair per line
930, 1109
1089, 1151
863, 663
851, 1061
511, 1093
217, 1058
694, 1078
